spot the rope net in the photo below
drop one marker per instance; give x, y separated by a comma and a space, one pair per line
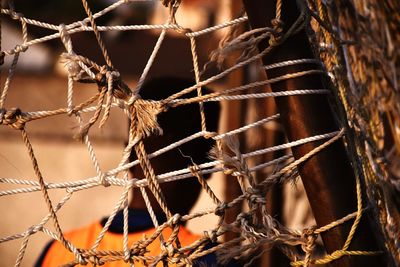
363, 83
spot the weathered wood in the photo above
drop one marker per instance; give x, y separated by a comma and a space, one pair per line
328, 177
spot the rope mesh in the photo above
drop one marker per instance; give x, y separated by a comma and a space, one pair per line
337, 56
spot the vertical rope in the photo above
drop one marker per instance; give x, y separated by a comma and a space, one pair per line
152, 214
91, 151
22, 249
11, 72
97, 34
149, 207
151, 177
197, 76
150, 61
43, 188
278, 12
85, 128
24, 32
117, 207
65, 38
195, 171
109, 98
125, 244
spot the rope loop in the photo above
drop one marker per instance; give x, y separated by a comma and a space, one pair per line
132, 99
309, 236
80, 259
256, 195
128, 256
96, 260
244, 218
104, 181
276, 33
83, 23
32, 229
16, 16
69, 190
208, 135
257, 199
277, 25
119, 89
101, 78
183, 30
12, 118
20, 48
175, 219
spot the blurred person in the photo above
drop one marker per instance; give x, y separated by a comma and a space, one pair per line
180, 196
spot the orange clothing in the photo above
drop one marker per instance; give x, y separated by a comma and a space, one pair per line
86, 236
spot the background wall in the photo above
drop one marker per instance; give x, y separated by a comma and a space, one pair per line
60, 158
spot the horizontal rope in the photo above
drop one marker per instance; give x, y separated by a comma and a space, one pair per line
273, 94
81, 26
162, 177
292, 62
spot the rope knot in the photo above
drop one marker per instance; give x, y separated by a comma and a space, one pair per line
309, 236
109, 77
276, 34
96, 260
83, 23
257, 199
12, 118
212, 236
309, 232
128, 256
253, 191
20, 48
277, 25
71, 62
208, 135
80, 259
101, 78
183, 30
16, 16
220, 210
103, 180
170, 249
244, 218
175, 219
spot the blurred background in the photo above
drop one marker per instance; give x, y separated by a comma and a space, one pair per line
40, 83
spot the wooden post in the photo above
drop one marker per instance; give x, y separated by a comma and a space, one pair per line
328, 177
272, 136
235, 119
